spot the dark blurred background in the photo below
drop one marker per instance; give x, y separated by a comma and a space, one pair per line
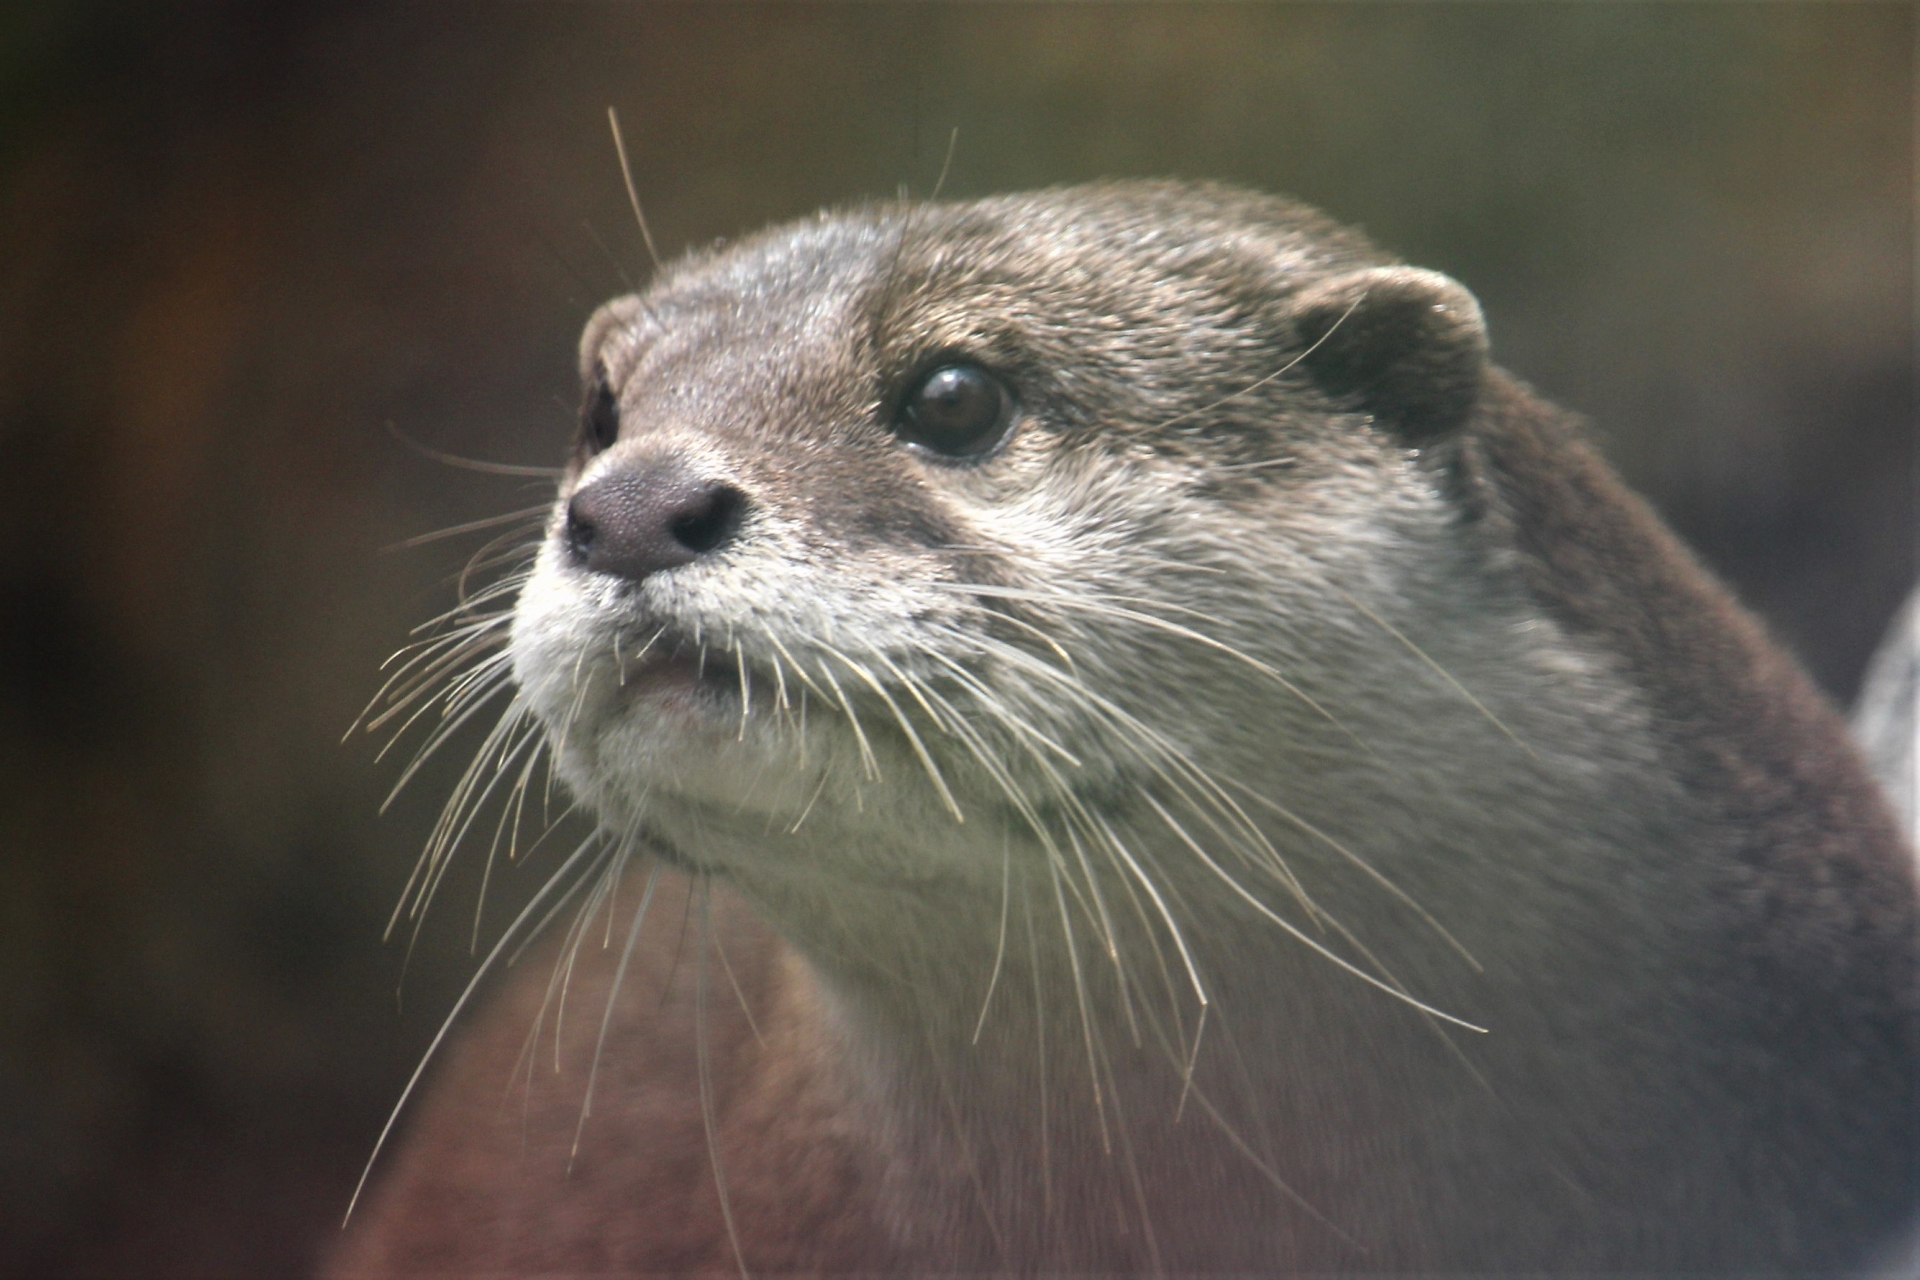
236, 240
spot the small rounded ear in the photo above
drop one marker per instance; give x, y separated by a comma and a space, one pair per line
1410, 345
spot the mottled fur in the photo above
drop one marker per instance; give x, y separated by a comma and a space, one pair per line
1291, 685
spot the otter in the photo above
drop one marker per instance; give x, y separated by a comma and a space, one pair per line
1122, 742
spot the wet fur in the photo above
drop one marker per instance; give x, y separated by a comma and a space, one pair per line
1383, 847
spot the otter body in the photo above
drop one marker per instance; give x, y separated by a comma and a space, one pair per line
1169, 761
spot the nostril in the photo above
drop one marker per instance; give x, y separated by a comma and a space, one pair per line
708, 520
580, 532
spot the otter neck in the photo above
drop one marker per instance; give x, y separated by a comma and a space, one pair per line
1034, 1082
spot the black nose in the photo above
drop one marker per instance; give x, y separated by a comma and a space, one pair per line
636, 522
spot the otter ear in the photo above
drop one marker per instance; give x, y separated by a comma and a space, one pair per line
1409, 345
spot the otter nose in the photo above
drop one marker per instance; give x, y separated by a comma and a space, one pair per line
638, 522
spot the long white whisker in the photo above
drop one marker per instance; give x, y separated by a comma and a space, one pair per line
1354, 858
1000, 947
466, 995
450, 814
1257, 383
419, 687
1127, 859
476, 683
1040, 1040
913, 738
799, 670
533, 516
1165, 756
1293, 930
508, 811
746, 687
457, 716
606, 1018
989, 701
705, 1067
1100, 904
570, 945
469, 796
868, 763
1086, 1013
811, 801
1171, 628
726, 967
1438, 670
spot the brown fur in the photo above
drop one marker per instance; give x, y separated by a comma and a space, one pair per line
487, 1174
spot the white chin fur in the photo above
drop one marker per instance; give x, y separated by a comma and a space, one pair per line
723, 774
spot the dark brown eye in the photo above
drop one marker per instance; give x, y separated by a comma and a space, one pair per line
957, 411
599, 415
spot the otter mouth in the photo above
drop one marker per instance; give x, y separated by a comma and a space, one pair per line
681, 682
679, 668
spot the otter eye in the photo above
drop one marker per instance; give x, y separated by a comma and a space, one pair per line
957, 411
599, 415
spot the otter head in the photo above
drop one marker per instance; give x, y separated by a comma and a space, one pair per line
896, 534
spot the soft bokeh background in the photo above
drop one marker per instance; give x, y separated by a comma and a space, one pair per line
236, 240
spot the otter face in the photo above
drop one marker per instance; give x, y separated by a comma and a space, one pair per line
900, 520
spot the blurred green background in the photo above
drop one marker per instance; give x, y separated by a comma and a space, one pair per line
236, 240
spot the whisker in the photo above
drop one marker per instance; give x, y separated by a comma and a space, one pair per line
705, 1067
510, 810
1119, 848
746, 688
570, 949
466, 609
470, 464
869, 765
1168, 986
487, 678
811, 801
1175, 629
1293, 930
957, 1128
1165, 756
1439, 670
780, 686
466, 995
491, 747
1134, 1179
438, 843
1000, 947
913, 738
1229, 1131
798, 670
633, 194
417, 677
561, 904
720, 949
1261, 382
1004, 714
606, 1018
1105, 922
1378, 878
531, 516
1040, 1040
1086, 1013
